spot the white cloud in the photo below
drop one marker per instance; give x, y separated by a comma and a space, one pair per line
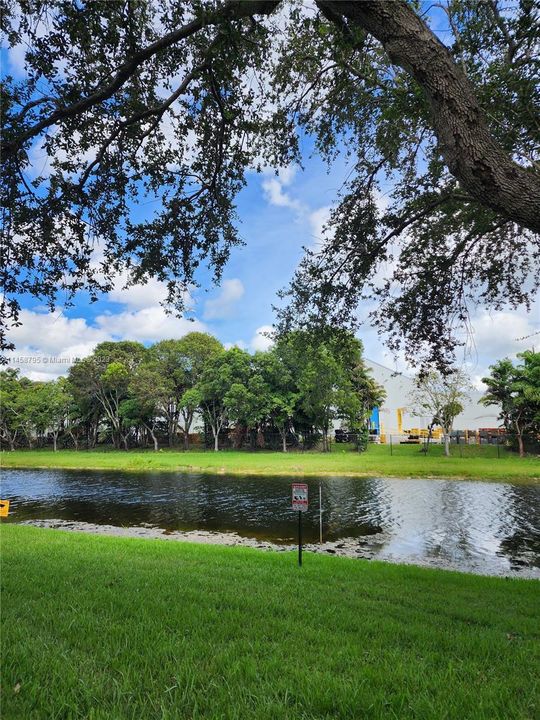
504, 333
54, 333
238, 344
500, 334
286, 174
273, 188
146, 325
40, 162
274, 194
138, 296
16, 59
382, 201
224, 304
260, 341
318, 219
47, 343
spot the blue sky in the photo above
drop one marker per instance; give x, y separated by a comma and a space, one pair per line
279, 215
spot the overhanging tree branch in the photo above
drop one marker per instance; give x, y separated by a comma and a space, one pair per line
483, 168
231, 10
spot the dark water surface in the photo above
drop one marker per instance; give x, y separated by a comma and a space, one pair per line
473, 526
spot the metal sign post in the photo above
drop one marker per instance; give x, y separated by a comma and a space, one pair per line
320, 512
300, 538
300, 503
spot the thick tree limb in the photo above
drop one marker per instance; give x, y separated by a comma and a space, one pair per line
483, 168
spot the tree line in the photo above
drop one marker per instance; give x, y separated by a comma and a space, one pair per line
135, 396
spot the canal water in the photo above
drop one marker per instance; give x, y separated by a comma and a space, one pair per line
483, 527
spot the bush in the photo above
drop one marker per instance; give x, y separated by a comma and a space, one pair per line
362, 439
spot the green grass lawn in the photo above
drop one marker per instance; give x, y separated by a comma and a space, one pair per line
107, 628
477, 462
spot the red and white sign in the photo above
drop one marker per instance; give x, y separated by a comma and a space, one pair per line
300, 497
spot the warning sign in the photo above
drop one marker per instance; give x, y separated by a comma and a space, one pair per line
300, 497
4, 508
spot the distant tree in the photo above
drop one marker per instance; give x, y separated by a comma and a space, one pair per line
51, 408
189, 404
180, 363
27, 409
76, 416
320, 386
330, 378
197, 349
441, 397
104, 378
278, 393
166, 361
10, 388
366, 394
516, 390
223, 389
86, 410
149, 393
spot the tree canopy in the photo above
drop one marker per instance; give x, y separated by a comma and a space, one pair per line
168, 105
515, 388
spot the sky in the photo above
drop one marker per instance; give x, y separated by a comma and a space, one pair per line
280, 214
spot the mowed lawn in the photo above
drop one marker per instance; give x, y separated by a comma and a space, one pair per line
406, 460
107, 628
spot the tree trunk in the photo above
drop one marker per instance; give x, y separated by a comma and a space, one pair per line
520, 445
188, 419
54, 443
154, 439
325, 439
94, 435
216, 441
484, 169
447, 444
284, 438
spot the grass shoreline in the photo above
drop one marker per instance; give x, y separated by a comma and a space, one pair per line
107, 627
342, 547
377, 461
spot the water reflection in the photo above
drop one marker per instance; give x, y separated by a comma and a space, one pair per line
486, 527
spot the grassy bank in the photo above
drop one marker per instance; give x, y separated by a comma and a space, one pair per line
405, 460
101, 628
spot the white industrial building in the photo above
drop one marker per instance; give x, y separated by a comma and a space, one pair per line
399, 388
